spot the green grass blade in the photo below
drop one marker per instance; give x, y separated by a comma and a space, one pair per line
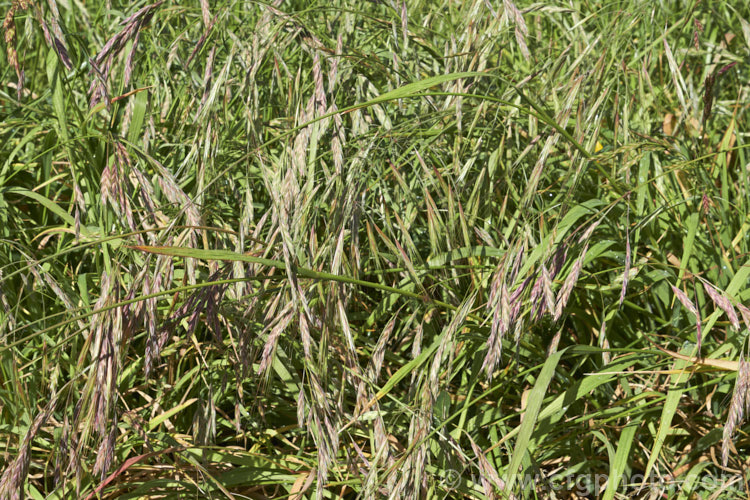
529, 419
621, 458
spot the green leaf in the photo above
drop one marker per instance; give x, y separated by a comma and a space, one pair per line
667, 414
58, 98
139, 114
534, 404
620, 461
154, 422
414, 88
49, 204
463, 253
691, 222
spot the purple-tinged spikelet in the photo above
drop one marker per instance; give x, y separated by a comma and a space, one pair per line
737, 408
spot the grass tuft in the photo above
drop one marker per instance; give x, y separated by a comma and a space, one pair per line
395, 249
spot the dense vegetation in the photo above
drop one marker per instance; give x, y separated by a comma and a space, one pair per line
377, 248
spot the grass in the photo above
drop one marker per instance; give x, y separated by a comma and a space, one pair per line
374, 249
